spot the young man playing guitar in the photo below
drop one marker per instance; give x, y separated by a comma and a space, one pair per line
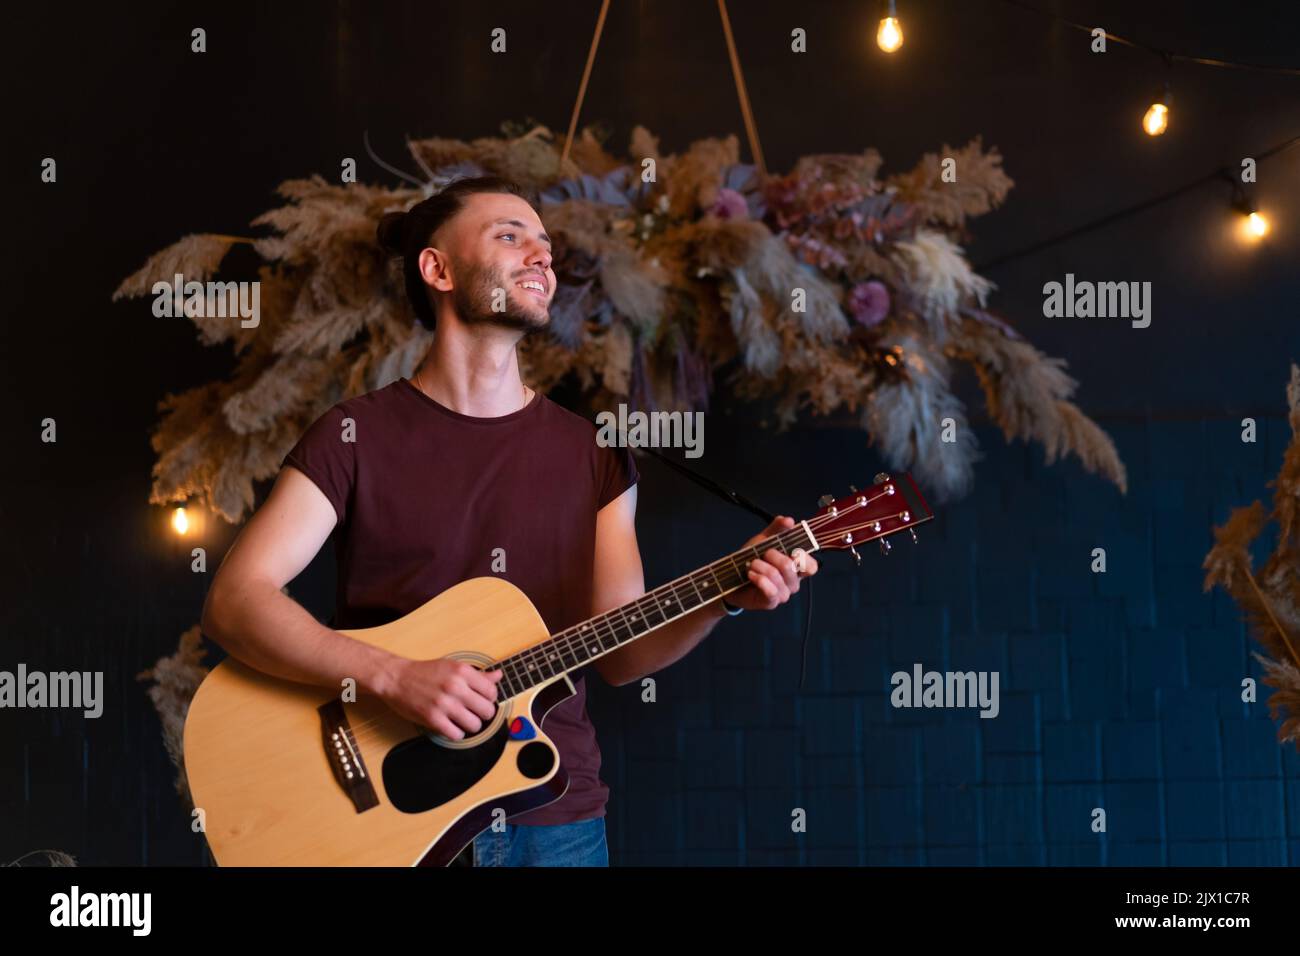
458, 472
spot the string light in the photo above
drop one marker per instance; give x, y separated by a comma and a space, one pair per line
187, 525
889, 35
1221, 173
1156, 120
1254, 225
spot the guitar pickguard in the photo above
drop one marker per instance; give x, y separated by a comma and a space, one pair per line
419, 775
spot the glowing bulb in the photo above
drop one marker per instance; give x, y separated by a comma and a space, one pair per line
1156, 120
180, 523
890, 35
1256, 225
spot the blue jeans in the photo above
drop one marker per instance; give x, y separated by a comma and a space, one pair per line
560, 844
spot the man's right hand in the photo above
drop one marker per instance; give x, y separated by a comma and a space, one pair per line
447, 696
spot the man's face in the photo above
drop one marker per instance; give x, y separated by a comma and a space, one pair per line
502, 256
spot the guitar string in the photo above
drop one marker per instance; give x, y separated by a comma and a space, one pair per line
610, 629
366, 728
369, 731
604, 629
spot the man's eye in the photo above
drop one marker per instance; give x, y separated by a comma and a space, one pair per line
507, 235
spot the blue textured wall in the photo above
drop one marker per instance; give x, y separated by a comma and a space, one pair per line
1119, 690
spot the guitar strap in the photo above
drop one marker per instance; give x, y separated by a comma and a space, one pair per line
740, 501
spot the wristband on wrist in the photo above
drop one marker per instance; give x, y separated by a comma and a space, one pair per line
731, 610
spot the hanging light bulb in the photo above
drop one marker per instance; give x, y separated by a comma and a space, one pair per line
1253, 224
180, 523
1156, 120
889, 35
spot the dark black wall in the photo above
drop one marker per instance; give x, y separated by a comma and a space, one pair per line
154, 142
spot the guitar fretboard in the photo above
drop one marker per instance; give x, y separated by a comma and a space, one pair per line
572, 648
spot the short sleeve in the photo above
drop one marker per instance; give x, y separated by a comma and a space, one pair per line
615, 473
327, 459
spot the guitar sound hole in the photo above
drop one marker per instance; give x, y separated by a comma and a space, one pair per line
535, 760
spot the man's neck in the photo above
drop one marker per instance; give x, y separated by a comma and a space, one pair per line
475, 375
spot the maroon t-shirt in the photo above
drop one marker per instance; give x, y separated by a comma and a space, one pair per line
424, 497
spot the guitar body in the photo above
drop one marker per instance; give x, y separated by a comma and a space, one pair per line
268, 759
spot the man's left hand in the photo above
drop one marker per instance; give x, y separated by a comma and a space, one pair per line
774, 576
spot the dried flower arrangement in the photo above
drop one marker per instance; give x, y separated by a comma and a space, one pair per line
1269, 599
827, 290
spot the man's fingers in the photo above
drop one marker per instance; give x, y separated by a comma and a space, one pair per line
760, 581
779, 523
770, 580
786, 565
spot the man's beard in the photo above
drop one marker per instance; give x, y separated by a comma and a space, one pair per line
473, 299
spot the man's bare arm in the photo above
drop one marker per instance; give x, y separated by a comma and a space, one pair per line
620, 579
248, 614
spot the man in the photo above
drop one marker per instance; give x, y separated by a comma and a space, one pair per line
463, 471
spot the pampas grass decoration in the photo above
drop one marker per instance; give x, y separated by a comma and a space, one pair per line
939, 278
49, 857
1269, 600
907, 419
1027, 394
175, 679
978, 184
196, 257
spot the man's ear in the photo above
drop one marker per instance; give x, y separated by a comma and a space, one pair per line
435, 269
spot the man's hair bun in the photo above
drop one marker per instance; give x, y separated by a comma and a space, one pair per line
392, 232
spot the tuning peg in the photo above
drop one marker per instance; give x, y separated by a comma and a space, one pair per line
912, 532
885, 546
853, 488
825, 500
857, 558
881, 478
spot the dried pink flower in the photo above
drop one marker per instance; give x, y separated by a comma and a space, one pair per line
729, 205
869, 302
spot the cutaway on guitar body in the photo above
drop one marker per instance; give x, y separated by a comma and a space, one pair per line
287, 774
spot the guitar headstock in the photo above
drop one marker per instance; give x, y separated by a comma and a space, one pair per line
889, 506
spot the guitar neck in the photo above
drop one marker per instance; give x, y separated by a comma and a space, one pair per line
573, 648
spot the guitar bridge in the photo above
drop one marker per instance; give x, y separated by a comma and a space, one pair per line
344, 756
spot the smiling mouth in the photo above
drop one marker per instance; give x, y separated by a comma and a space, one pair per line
537, 292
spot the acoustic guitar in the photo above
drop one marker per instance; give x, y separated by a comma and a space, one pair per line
290, 774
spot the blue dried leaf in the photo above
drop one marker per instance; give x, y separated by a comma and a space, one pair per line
610, 190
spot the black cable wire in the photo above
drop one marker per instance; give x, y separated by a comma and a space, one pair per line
1166, 55
1127, 211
